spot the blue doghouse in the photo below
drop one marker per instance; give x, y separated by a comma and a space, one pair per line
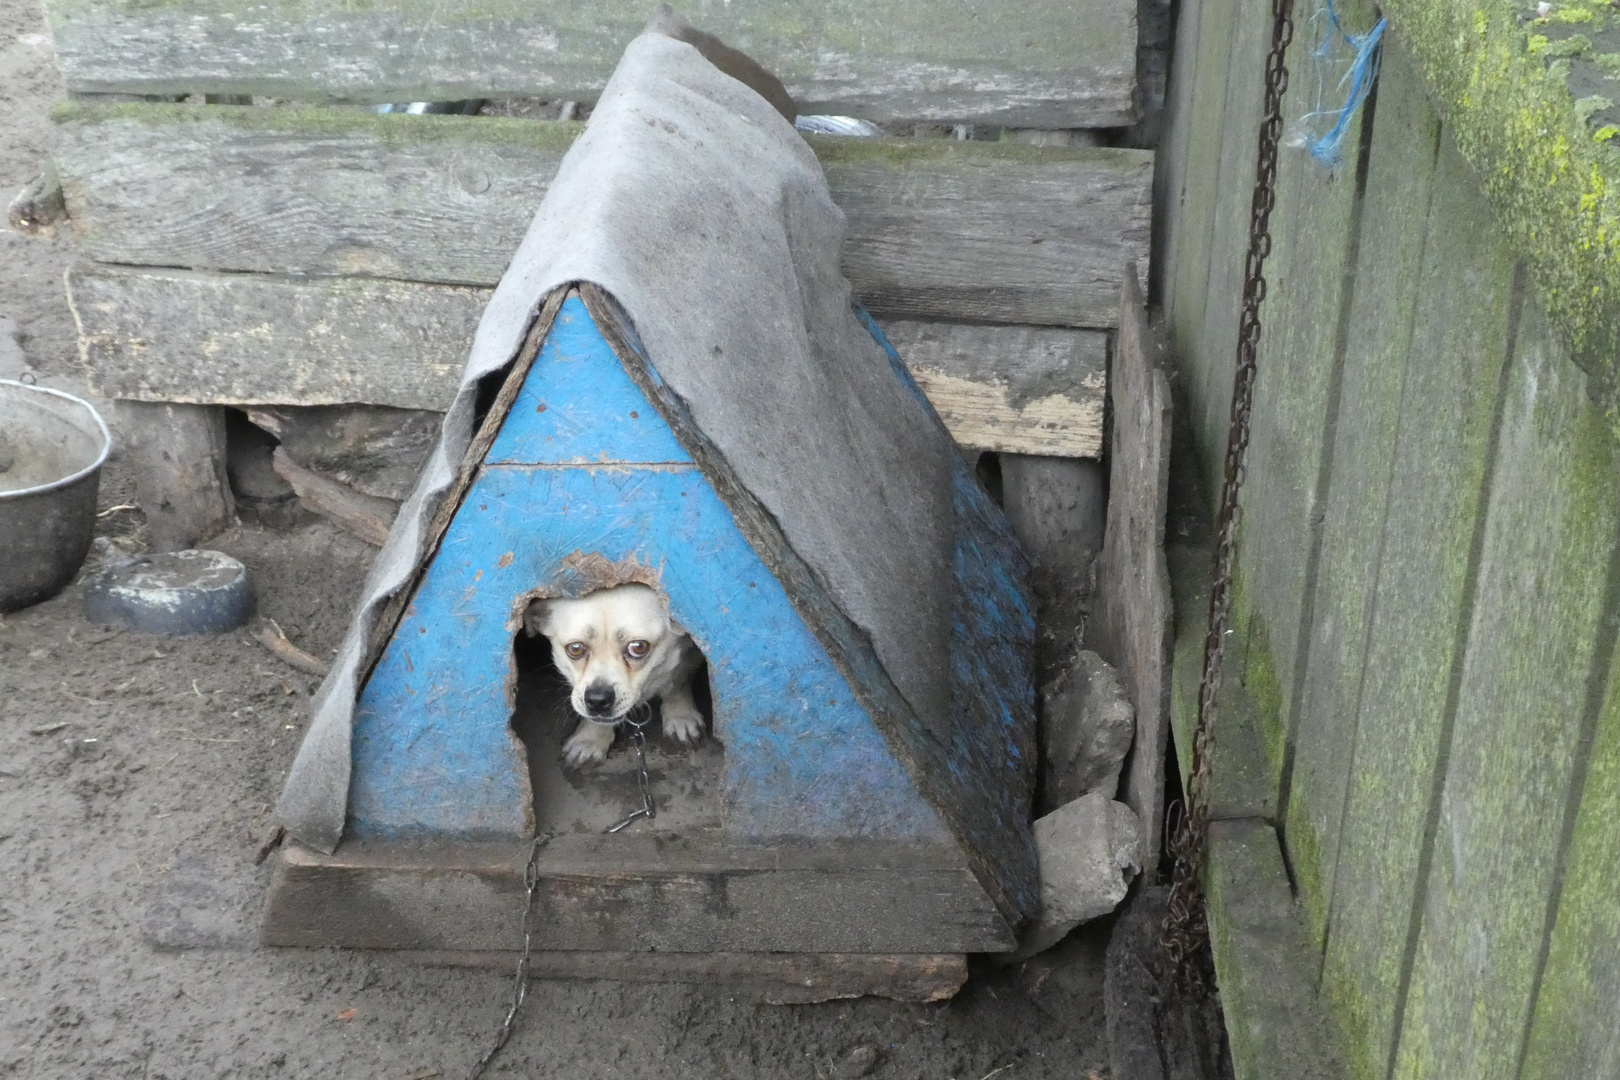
672, 386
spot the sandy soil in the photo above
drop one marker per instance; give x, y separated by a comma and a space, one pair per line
136, 779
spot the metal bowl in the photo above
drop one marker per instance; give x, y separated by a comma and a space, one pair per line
52, 446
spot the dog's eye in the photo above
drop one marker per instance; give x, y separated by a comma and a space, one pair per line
576, 649
637, 649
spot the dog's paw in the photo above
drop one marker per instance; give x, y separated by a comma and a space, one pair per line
683, 723
588, 745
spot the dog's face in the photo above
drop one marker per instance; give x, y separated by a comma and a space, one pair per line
616, 646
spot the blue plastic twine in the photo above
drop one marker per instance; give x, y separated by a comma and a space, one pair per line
1362, 75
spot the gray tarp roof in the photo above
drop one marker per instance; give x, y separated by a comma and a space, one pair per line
695, 204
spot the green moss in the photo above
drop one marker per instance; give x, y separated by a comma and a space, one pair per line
1260, 677
1553, 185
899, 153
398, 129
1305, 856
393, 129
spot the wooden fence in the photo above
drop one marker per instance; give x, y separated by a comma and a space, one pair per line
1428, 579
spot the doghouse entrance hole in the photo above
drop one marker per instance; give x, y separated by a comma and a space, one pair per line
685, 781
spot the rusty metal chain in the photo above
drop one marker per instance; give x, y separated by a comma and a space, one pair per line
637, 720
1186, 929
638, 732
531, 885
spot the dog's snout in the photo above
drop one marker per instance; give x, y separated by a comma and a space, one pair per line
599, 699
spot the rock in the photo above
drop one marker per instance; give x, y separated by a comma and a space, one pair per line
1089, 852
1087, 725
861, 1061
204, 904
376, 450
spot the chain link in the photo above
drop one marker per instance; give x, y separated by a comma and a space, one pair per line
637, 720
531, 884
1186, 929
638, 732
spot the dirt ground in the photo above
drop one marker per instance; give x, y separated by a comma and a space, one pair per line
136, 779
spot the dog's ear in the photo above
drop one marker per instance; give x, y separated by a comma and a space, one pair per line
537, 618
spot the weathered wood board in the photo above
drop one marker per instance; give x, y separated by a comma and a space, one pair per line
1573, 1033
938, 229
1394, 258
1315, 233
1132, 628
177, 335
871, 897
1031, 63
1274, 1020
1006, 235
1190, 249
1456, 332
1018, 390
1523, 717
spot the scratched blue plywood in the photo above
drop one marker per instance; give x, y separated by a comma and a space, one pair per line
578, 405
432, 750
803, 758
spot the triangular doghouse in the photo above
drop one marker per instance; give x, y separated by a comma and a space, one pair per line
672, 385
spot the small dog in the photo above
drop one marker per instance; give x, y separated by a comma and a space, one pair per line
619, 649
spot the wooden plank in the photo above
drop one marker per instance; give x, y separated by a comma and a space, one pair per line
1458, 304
1034, 63
1394, 268
365, 516
1210, 395
1537, 617
1017, 390
1132, 628
991, 232
1574, 1031
1263, 956
1188, 258
1310, 274
634, 893
1001, 237
177, 335
1171, 173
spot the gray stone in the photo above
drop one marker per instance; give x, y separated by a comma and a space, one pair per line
1087, 725
1089, 852
204, 904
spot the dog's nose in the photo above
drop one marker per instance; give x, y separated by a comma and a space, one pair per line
599, 699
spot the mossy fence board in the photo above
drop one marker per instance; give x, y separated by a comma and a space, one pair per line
1027, 63
1427, 568
1450, 377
